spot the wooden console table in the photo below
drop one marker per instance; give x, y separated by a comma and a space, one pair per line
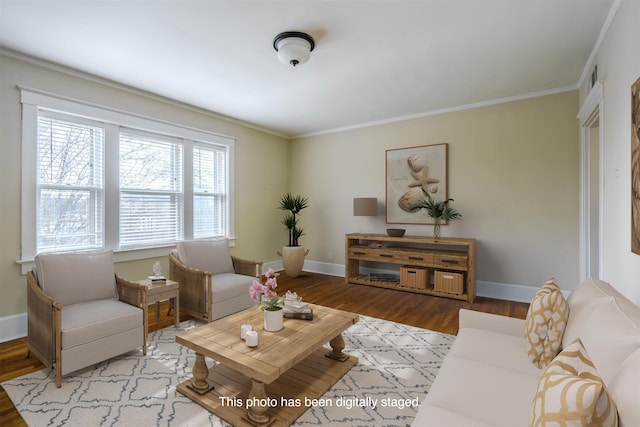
448, 257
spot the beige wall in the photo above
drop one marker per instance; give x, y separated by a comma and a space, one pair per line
513, 172
618, 67
261, 169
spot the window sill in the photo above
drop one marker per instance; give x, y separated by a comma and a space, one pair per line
122, 255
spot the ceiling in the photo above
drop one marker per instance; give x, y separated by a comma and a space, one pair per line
374, 61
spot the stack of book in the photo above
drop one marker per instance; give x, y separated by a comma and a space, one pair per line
377, 245
381, 277
157, 280
297, 310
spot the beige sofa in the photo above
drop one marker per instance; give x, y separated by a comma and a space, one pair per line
487, 379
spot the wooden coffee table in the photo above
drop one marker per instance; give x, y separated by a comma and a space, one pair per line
275, 382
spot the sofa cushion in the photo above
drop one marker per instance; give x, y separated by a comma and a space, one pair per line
493, 348
625, 389
90, 321
588, 295
610, 336
491, 322
431, 415
485, 394
72, 278
546, 319
210, 255
570, 393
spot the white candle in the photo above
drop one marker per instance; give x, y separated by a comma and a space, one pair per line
252, 338
243, 331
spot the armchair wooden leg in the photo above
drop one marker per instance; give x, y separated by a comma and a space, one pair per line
58, 376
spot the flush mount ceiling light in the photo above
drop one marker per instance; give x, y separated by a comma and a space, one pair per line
293, 47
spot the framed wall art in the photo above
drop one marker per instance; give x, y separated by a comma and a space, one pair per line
411, 173
635, 167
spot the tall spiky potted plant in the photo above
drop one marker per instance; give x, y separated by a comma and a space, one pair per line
293, 254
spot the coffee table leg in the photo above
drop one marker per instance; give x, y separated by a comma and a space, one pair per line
200, 374
337, 345
258, 414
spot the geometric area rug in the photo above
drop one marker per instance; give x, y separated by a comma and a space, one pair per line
397, 365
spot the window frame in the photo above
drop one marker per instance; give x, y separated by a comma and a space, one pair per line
33, 100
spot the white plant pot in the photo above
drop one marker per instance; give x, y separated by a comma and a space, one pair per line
273, 320
293, 259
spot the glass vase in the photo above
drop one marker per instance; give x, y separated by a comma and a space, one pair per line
436, 228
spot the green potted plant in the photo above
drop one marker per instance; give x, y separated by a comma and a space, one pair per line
293, 254
440, 211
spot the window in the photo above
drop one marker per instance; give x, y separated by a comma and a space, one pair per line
151, 195
209, 191
70, 189
97, 178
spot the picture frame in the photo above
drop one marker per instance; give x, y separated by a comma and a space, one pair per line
409, 173
635, 167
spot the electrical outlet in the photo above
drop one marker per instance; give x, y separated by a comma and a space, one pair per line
330, 255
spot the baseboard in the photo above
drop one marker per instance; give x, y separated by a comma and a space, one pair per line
12, 327
324, 268
505, 291
275, 265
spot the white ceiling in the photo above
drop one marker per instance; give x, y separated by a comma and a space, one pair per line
374, 60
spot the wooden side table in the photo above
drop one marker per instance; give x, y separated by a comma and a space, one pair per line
169, 291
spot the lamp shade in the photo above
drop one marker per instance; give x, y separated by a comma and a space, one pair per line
365, 206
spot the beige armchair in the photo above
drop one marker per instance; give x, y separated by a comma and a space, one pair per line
213, 283
81, 313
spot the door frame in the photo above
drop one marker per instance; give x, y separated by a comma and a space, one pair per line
592, 110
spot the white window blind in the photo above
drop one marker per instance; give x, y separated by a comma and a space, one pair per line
70, 181
151, 190
209, 191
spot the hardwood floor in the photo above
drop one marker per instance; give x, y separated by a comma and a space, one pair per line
424, 311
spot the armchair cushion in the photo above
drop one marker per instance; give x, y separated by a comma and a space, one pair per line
79, 321
64, 276
227, 286
210, 255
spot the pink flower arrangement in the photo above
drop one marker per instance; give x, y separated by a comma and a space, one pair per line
265, 294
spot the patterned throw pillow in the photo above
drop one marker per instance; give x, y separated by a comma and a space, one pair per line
546, 320
570, 393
